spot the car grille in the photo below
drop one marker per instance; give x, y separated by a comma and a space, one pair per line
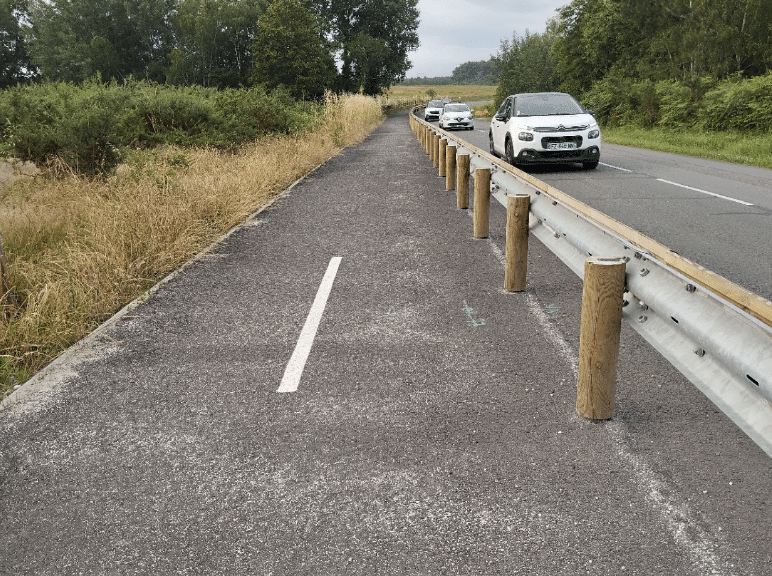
547, 140
561, 128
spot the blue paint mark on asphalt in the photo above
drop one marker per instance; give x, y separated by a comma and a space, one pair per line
471, 320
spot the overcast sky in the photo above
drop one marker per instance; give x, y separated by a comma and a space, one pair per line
456, 31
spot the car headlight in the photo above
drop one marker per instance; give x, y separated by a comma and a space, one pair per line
525, 136
592, 134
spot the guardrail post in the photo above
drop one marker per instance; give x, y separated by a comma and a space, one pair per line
442, 156
436, 149
425, 138
462, 181
516, 253
432, 146
604, 284
450, 167
482, 201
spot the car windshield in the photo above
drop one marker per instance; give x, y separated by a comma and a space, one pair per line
435, 104
456, 108
546, 105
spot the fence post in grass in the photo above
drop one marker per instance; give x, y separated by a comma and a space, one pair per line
462, 181
482, 202
442, 156
516, 253
450, 167
604, 284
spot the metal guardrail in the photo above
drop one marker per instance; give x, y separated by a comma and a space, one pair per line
716, 333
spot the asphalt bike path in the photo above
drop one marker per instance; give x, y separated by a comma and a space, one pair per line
342, 386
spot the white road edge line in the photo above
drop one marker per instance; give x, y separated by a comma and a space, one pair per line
615, 167
294, 370
705, 192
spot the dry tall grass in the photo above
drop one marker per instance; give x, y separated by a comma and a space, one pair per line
79, 249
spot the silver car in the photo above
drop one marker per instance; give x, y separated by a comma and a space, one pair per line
433, 110
457, 116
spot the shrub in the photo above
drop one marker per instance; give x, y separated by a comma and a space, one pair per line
85, 127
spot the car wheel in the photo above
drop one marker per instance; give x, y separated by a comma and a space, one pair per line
510, 152
590, 165
490, 145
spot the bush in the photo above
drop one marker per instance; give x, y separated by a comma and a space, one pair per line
87, 126
738, 104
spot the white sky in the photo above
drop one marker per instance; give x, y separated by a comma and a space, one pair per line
456, 31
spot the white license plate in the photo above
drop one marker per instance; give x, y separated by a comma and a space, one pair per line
561, 146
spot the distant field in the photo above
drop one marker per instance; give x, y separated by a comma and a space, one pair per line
456, 91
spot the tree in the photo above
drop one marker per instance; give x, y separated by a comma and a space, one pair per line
525, 64
373, 39
289, 51
213, 41
72, 40
15, 65
482, 72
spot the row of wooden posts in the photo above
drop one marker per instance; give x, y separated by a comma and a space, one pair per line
604, 278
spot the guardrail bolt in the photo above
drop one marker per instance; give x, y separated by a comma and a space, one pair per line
691, 288
644, 272
699, 352
601, 324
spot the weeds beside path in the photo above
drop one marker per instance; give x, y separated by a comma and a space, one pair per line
79, 249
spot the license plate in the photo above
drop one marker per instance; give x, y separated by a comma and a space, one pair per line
562, 146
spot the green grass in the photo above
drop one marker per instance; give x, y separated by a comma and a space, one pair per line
750, 149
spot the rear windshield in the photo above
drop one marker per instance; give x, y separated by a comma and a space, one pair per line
546, 105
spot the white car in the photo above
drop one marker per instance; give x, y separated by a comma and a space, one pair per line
433, 110
545, 127
456, 116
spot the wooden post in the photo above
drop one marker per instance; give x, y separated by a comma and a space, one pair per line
462, 181
442, 156
450, 167
516, 254
482, 202
604, 284
436, 149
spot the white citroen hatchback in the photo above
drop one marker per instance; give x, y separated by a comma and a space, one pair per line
545, 127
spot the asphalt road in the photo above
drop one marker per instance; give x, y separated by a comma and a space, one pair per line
432, 430
716, 214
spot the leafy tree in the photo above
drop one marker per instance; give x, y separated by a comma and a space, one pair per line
15, 65
289, 51
525, 64
72, 40
482, 72
213, 41
373, 39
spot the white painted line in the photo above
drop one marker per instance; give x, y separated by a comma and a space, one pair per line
294, 370
615, 167
705, 192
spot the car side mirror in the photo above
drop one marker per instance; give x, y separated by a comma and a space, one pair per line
590, 112
501, 117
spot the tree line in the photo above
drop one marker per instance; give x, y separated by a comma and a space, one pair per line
699, 63
481, 72
308, 46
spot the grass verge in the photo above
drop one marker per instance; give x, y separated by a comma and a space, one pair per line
737, 147
79, 249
